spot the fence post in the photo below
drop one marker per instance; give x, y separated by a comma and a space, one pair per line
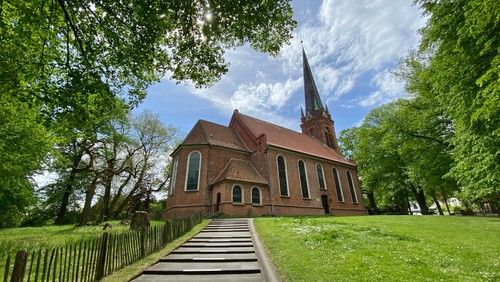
143, 242
102, 257
19, 266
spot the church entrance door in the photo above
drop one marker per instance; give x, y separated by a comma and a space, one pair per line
218, 202
324, 200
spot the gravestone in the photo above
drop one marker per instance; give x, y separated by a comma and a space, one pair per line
140, 220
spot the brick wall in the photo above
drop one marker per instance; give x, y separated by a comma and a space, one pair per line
296, 203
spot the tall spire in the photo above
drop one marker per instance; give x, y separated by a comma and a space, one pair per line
313, 101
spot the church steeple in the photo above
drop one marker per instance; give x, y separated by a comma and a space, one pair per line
317, 121
313, 101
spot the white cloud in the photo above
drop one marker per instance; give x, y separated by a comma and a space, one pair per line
389, 89
261, 100
353, 38
348, 43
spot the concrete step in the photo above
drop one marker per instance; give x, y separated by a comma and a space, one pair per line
226, 230
241, 234
209, 257
221, 240
216, 245
226, 226
197, 250
203, 268
247, 277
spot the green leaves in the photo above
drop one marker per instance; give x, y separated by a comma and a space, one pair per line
462, 72
23, 145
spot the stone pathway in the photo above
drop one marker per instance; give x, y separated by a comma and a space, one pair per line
222, 251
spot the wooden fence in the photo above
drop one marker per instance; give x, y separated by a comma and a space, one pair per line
92, 259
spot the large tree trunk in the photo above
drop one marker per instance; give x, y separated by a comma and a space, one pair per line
68, 190
106, 198
373, 203
446, 203
63, 206
420, 198
437, 205
87, 207
137, 186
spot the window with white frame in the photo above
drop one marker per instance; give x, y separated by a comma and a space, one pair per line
303, 179
338, 188
174, 176
256, 198
351, 188
321, 177
282, 175
193, 171
237, 194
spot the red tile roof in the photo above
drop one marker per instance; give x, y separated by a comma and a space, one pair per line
288, 139
214, 134
240, 170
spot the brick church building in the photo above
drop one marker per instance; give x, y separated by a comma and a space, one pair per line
252, 167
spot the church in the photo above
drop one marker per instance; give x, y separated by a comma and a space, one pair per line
255, 168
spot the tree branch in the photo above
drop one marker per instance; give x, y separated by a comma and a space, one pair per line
67, 17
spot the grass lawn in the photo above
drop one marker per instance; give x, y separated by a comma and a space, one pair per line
394, 248
14, 239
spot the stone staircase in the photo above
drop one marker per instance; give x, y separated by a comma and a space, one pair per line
222, 251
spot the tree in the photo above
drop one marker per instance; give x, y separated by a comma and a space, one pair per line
64, 60
23, 145
457, 66
403, 148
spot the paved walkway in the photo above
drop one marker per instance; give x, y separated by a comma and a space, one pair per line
222, 251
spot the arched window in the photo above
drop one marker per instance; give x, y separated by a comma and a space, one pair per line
237, 194
174, 176
256, 196
193, 171
338, 188
282, 175
321, 177
303, 179
351, 188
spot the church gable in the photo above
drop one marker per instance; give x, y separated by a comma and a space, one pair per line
223, 136
195, 136
238, 170
205, 132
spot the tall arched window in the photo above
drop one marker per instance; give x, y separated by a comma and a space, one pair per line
351, 188
193, 171
174, 176
282, 175
237, 194
321, 177
303, 179
256, 196
338, 188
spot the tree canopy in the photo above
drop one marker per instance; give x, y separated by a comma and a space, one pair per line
458, 67
445, 135
69, 70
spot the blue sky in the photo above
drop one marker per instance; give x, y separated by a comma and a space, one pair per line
352, 46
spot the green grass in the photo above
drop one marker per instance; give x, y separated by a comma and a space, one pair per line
387, 248
13, 239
